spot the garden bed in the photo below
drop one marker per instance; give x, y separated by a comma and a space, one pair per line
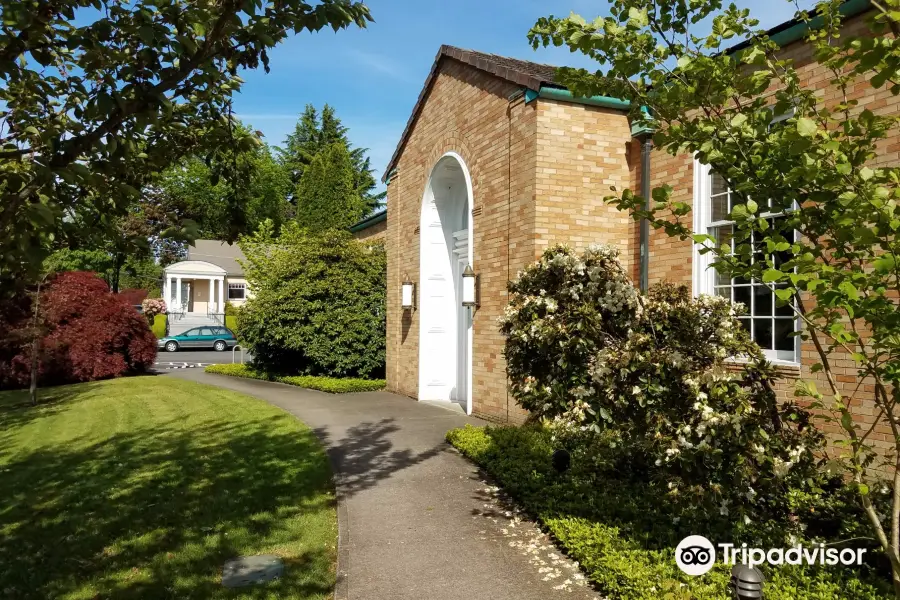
620, 530
332, 385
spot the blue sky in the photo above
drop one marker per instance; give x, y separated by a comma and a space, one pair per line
373, 76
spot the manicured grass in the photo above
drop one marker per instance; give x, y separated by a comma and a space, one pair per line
159, 326
332, 385
622, 532
144, 487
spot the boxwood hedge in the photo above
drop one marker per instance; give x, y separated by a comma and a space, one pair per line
332, 385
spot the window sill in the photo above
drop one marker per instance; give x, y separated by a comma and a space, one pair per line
788, 369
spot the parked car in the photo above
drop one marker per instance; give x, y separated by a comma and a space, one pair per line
217, 338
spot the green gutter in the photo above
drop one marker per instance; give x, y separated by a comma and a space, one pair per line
369, 221
794, 31
552, 93
851, 8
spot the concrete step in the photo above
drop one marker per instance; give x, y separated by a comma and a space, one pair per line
180, 325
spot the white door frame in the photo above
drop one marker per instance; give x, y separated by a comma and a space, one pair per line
427, 197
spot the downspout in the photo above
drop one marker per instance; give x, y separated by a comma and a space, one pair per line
646, 150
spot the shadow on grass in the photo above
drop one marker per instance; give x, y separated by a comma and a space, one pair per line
155, 512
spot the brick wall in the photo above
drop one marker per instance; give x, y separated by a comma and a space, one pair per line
467, 111
582, 151
374, 233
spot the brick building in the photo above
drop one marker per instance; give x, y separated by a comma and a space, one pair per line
498, 161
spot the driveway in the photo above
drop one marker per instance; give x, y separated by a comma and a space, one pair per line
417, 520
195, 358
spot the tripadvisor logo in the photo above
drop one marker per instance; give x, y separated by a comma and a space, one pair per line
696, 555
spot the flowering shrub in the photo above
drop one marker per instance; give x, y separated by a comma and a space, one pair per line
588, 353
87, 334
153, 307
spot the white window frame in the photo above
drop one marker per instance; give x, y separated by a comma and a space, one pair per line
704, 274
237, 286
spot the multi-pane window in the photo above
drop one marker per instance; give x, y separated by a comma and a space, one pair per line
237, 291
771, 326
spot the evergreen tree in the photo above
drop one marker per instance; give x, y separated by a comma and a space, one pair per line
326, 195
312, 134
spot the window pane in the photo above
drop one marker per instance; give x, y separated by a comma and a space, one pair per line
742, 294
762, 301
719, 210
783, 311
762, 333
722, 234
783, 330
723, 279
718, 184
725, 292
745, 323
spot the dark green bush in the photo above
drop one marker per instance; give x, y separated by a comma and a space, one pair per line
318, 306
623, 531
331, 385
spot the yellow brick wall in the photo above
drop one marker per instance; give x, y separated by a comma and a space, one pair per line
671, 259
467, 111
372, 234
582, 151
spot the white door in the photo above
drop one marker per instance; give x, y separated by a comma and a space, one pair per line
439, 314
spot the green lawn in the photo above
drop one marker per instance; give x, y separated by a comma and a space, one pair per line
144, 487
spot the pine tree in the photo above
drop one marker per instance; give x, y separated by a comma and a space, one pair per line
312, 134
326, 196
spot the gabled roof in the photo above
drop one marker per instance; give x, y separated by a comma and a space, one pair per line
221, 254
528, 74
373, 219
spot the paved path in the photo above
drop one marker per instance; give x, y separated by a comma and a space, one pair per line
194, 358
416, 520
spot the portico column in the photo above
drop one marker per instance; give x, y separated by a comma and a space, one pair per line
178, 293
212, 296
165, 290
222, 292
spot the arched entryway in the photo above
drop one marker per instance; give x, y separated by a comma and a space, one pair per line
445, 327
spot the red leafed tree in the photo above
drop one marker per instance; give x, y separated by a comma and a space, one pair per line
87, 333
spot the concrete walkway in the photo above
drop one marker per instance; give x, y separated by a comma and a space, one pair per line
416, 520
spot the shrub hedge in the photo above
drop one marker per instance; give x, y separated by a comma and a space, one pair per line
318, 305
623, 532
332, 385
159, 326
87, 333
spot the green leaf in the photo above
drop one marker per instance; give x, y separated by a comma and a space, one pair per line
772, 275
752, 207
866, 173
784, 294
847, 421
806, 127
738, 120
884, 263
849, 290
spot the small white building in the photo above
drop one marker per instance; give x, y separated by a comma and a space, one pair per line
200, 286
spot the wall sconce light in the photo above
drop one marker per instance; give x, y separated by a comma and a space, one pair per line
407, 294
470, 288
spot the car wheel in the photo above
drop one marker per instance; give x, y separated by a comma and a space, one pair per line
219, 346
171, 346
